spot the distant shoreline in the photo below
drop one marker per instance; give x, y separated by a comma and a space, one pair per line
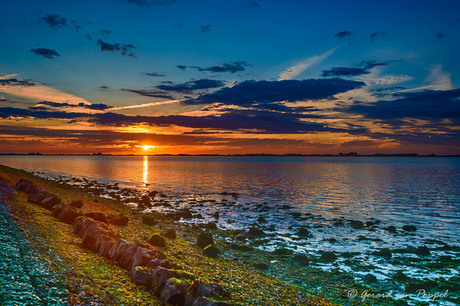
249, 155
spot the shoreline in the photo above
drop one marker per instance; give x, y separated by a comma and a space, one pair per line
274, 266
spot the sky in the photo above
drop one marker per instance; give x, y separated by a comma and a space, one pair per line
229, 77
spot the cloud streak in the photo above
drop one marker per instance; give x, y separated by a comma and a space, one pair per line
300, 67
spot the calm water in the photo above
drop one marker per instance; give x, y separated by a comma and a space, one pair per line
420, 191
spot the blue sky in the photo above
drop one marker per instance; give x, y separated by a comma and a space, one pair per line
130, 54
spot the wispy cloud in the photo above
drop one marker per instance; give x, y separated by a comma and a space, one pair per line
143, 105
300, 67
438, 79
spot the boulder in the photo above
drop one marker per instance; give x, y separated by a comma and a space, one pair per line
57, 209
255, 232
78, 203
303, 232
283, 251
120, 220
22, 184
126, 256
261, 219
174, 291
142, 257
93, 234
384, 252
194, 291
149, 220
391, 229
30, 189
50, 202
98, 216
209, 225
68, 215
104, 244
142, 275
204, 239
169, 233
159, 262
409, 228
202, 301
422, 251
157, 240
356, 224
79, 225
211, 251
241, 247
117, 249
160, 277
218, 290
328, 256
37, 197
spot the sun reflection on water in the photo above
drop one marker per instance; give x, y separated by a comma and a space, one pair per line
145, 170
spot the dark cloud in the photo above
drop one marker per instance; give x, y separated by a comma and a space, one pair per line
205, 28
125, 49
375, 35
88, 37
154, 74
104, 88
105, 32
231, 67
147, 3
75, 25
46, 53
342, 34
150, 93
423, 105
439, 35
191, 85
54, 20
250, 92
16, 82
343, 72
253, 4
181, 67
371, 64
100, 106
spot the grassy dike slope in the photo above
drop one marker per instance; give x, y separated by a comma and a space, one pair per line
91, 277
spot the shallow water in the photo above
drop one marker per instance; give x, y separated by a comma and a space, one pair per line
397, 190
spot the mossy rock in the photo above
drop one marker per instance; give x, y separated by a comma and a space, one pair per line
422, 250
241, 247
400, 277
260, 266
169, 233
391, 229
302, 259
328, 256
149, 220
211, 251
204, 239
255, 232
157, 240
370, 278
303, 232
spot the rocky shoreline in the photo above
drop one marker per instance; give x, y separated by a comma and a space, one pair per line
156, 251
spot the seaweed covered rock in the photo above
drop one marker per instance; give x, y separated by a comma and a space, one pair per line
211, 251
196, 290
142, 275
157, 240
283, 251
98, 216
148, 219
78, 203
255, 232
120, 220
303, 232
160, 277
409, 228
328, 256
384, 252
174, 291
169, 233
204, 239
422, 251
391, 229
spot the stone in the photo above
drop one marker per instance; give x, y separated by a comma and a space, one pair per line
93, 233
159, 262
422, 250
391, 229
117, 249
50, 202
210, 225
160, 277
261, 219
356, 224
260, 265
217, 290
149, 220
22, 184
302, 259
68, 215
169, 233
303, 232
384, 252
370, 278
328, 256
409, 228
195, 290
211, 251
142, 257
255, 232
98, 216
120, 220
174, 291
216, 215
104, 245
157, 240
76, 203
142, 275
57, 209
204, 239
400, 276
37, 197
30, 189
126, 256
241, 236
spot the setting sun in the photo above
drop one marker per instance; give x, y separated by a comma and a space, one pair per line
147, 147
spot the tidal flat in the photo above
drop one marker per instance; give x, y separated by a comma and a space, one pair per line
256, 262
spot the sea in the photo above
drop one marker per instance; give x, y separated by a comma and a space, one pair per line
324, 194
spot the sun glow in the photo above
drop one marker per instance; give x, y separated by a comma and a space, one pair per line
147, 147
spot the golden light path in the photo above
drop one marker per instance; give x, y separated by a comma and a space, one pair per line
145, 170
